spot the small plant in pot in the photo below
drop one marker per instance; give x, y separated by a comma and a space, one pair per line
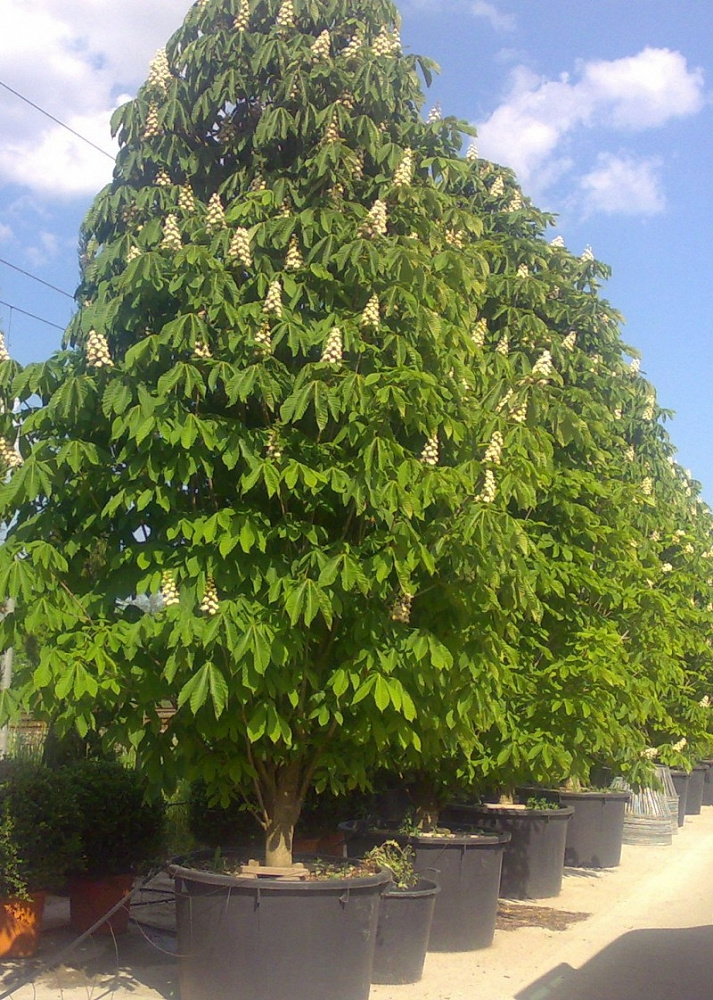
533, 862
464, 861
39, 845
20, 914
405, 916
12, 883
120, 829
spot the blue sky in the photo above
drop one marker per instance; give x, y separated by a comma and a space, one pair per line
604, 109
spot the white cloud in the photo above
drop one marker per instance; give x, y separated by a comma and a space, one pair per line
533, 129
72, 59
525, 131
646, 90
624, 185
48, 249
58, 164
496, 18
5, 232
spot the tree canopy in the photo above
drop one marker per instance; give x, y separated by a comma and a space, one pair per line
373, 438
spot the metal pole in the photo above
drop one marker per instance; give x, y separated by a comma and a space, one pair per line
5, 681
7, 656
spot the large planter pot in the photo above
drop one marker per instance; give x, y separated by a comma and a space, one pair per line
242, 938
90, 899
402, 933
20, 922
708, 783
533, 861
594, 834
467, 868
696, 784
680, 783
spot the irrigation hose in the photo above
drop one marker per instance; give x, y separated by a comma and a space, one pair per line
67, 951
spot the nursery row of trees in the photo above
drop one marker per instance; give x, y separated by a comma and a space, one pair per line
334, 392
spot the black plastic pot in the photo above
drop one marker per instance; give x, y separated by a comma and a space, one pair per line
696, 784
708, 783
270, 939
533, 861
467, 867
594, 834
680, 783
402, 933
596, 830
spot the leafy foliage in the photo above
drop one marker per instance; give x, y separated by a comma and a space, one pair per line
38, 830
118, 827
333, 394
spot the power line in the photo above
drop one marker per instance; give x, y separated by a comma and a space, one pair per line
57, 121
31, 315
35, 278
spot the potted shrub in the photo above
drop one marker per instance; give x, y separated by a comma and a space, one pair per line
39, 845
20, 913
688, 784
465, 861
284, 934
594, 834
533, 861
405, 916
120, 830
595, 831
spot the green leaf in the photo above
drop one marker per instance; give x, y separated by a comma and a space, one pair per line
382, 696
196, 690
339, 682
257, 723
218, 689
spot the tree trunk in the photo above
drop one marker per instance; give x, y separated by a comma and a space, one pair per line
283, 810
427, 817
427, 802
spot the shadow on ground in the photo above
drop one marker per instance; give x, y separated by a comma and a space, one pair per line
669, 964
99, 967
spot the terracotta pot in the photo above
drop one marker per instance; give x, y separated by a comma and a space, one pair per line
89, 900
20, 922
305, 845
330, 844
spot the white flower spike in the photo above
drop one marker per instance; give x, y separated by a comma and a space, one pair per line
169, 590
333, 349
430, 453
97, 351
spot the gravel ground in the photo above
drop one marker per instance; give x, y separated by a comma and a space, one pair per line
641, 931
